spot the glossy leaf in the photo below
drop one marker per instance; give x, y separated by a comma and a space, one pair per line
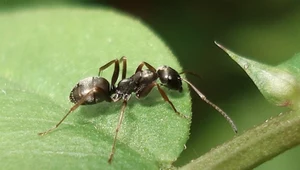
279, 84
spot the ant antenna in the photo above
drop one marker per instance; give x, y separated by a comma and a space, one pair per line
191, 73
201, 95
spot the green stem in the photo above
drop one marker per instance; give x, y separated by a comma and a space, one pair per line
255, 146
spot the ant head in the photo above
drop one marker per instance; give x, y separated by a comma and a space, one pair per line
169, 78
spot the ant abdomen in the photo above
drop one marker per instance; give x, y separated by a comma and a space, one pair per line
98, 87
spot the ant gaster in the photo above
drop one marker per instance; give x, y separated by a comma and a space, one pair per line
93, 90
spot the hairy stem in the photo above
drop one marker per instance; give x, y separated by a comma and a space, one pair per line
255, 146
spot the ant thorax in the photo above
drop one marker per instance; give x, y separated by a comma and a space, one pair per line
147, 77
123, 90
134, 84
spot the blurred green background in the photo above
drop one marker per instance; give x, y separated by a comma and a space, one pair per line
267, 31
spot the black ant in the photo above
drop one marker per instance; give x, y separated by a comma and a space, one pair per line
93, 90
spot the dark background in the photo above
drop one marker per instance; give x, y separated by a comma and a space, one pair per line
266, 31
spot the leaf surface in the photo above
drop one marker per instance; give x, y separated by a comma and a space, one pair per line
44, 53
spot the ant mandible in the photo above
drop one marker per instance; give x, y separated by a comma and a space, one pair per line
92, 90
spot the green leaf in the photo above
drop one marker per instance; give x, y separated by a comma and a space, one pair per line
279, 84
44, 53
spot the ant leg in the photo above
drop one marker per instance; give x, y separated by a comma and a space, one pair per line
151, 68
148, 89
165, 97
121, 117
81, 101
124, 69
116, 70
145, 91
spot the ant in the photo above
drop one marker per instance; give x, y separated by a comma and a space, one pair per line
92, 90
